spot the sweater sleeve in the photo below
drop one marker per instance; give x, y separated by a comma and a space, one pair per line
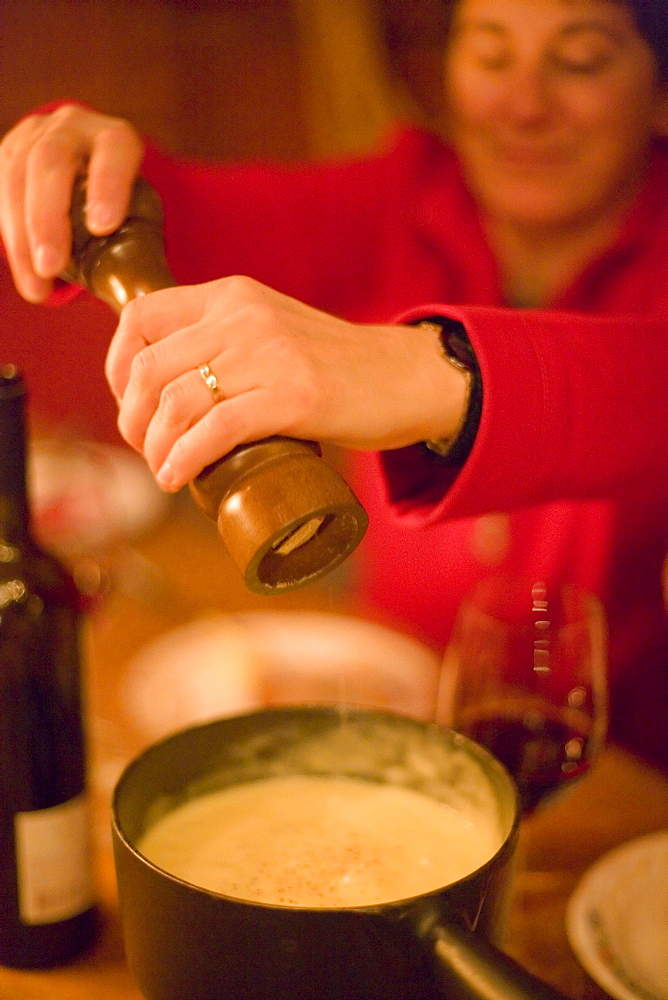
574, 407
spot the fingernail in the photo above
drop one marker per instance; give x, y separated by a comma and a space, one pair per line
35, 293
100, 217
47, 261
165, 476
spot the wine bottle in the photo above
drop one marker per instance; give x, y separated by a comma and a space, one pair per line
47, 913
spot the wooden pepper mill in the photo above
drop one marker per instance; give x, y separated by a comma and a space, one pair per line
284, 515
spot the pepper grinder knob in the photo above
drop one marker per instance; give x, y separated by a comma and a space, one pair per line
285, 516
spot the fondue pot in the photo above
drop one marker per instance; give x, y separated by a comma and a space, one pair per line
188, 943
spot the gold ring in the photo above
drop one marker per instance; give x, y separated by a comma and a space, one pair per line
211, 382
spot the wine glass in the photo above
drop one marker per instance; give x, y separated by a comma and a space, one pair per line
90, 502
525, 675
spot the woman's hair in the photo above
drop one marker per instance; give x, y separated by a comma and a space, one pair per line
651, 17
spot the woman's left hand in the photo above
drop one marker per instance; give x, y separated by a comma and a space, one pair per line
282, 368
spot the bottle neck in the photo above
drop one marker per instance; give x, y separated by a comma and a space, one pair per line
14, 511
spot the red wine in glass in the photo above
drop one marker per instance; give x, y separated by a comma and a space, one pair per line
525, 675
542, 751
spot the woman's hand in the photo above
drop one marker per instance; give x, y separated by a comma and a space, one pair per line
39, 161
282, 368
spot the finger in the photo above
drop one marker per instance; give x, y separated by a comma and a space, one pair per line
113, 166
58, 152
244, 418
49, 181
145, 321
159, 365
14, 153
182, 403
30, 285
72, 141
148, 396
175, 361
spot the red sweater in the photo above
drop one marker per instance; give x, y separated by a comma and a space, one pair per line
573, 432
370, 239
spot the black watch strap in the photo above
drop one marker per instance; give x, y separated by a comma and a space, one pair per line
457, 349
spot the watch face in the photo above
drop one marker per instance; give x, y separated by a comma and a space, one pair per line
439, 446
456, 349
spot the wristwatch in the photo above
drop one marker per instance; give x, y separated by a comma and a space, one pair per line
457, 350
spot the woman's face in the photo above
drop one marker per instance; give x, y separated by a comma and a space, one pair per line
552, 107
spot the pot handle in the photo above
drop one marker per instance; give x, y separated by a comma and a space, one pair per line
468, 967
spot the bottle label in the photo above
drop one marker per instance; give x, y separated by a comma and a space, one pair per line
54, 862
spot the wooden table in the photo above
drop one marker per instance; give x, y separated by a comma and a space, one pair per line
179, 571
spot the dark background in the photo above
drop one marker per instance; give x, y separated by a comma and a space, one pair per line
203, 77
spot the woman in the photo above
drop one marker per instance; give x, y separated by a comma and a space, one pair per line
539, 226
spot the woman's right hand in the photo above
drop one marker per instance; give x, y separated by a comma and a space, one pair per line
40, 158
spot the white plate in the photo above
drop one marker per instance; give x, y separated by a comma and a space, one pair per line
224, 664
617, 920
